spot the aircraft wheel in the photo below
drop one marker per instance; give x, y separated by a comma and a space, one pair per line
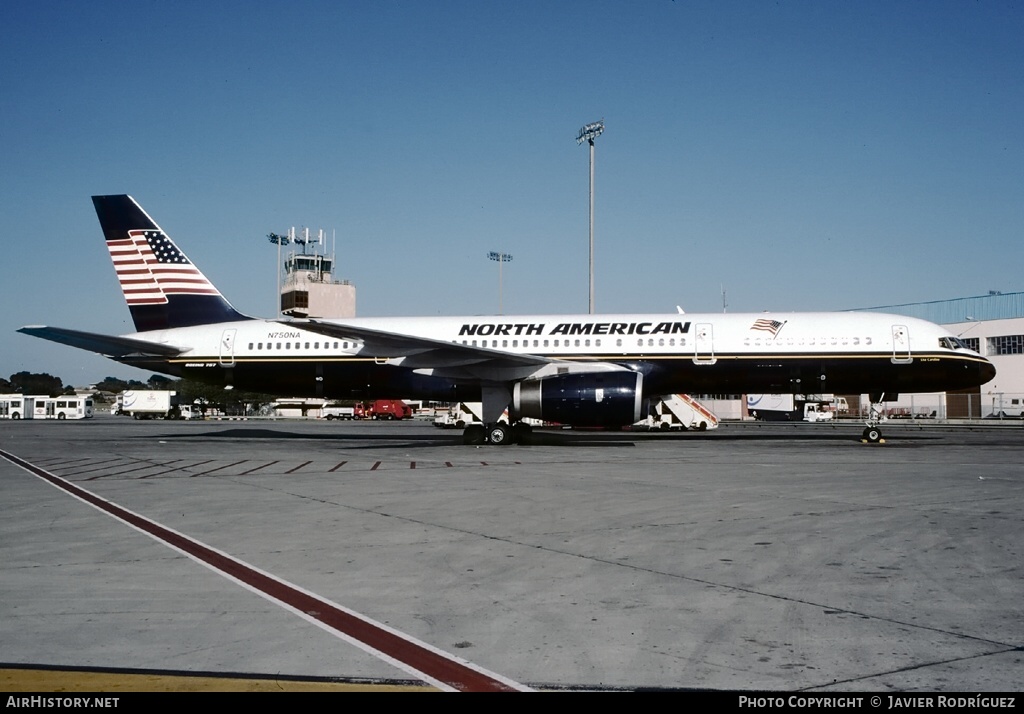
474, 435
499, 435
872, 434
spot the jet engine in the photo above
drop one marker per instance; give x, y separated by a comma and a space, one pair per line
582, 398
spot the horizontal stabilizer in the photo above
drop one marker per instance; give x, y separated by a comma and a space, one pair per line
108, 345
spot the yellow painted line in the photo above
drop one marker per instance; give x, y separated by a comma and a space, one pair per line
59, 681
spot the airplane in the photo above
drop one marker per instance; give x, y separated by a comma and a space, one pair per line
576, 370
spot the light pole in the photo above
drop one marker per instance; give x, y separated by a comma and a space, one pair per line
588, 133
279, 240
501, 258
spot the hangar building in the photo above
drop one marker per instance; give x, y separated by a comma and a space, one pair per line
993, 325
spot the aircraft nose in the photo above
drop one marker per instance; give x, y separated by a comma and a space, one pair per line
986, 372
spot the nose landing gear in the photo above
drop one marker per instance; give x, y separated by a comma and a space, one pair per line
872, 432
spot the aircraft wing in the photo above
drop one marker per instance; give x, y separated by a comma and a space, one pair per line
108, 345
415, 352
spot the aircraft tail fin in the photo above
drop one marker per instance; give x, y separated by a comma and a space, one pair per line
162, 287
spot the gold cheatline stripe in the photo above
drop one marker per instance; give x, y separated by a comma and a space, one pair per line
613, 357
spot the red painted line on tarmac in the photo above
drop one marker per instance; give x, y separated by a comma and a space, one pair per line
375, 465
98, 464
245, 473
434, 666
330, 471
291, 471
178, 468
143, 467
448, 464
61, 459
412, 464
204, 473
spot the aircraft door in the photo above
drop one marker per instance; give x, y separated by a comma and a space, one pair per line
703, 344
227, 348
901, 345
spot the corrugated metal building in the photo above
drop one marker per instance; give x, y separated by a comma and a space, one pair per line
994, 306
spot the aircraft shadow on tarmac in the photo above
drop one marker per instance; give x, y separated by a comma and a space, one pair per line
540, 437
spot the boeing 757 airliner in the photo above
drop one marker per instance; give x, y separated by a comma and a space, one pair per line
580, 370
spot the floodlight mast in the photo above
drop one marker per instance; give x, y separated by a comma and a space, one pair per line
501, 258
588, 133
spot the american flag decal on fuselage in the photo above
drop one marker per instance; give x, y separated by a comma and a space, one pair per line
772, 326
150, 267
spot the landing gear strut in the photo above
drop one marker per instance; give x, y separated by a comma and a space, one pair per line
872, 433
495, 399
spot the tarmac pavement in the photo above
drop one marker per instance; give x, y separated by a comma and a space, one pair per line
781, 557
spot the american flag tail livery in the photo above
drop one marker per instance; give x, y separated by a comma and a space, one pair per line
162, 287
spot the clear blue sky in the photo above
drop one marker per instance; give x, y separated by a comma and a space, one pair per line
804, 155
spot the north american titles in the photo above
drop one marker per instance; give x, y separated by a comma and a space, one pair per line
575, 328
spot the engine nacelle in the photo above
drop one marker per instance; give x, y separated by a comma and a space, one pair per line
582, 399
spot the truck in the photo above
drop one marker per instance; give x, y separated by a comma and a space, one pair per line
149, 404
790, 407
330, 413
383, 409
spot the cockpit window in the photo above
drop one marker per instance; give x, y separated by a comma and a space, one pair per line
953, 343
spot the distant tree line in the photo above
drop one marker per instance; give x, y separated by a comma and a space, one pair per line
31, 383
189, 391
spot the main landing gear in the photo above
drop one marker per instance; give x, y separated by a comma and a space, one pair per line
495, 400
498, 434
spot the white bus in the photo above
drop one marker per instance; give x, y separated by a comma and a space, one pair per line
17, 406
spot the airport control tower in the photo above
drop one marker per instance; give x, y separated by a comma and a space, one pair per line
308, 288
